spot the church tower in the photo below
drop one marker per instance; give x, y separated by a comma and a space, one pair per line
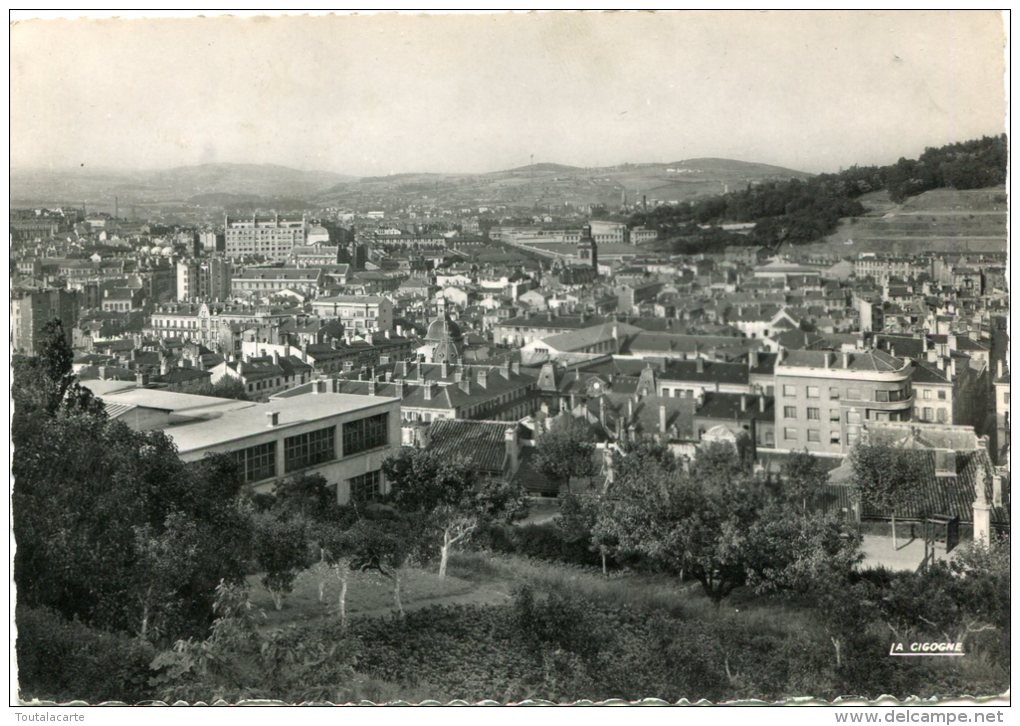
587, 250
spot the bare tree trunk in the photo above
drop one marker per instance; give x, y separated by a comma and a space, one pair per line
396, 592
837, 645
342, 601
602, 551
894, 529
444, 555
145, 621
277, 599
322, 589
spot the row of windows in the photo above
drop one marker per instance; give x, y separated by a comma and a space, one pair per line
852, 394
926, 394
366, 487
366, 433
813, 414
309, 449
813, 436
257, 462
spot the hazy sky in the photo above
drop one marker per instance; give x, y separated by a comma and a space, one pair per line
387, 93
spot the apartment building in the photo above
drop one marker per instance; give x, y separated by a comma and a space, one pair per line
356, 312
204, 279
822, 398
273, 238
268, 281
32, 309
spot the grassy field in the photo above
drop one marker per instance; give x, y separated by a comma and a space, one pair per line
367, 594
940, 220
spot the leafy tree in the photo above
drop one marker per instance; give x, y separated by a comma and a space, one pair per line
566, 450
887, 478
112, 528
281, 550
240, 661
448, 497
804, 480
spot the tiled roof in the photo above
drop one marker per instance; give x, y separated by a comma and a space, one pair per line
483, 443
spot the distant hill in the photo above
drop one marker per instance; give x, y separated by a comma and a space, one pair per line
552, 185
542, 185
199, 184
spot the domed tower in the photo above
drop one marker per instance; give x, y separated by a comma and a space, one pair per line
587, 250
444, 341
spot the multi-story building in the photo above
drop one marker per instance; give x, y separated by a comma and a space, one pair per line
32, 309
268, 281
822, 398
356, 312
272, 238
210, 324
204, 279
343, 437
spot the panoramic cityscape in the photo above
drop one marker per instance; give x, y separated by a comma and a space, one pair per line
567, 393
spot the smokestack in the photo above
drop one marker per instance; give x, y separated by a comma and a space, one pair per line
662, 419
743, 400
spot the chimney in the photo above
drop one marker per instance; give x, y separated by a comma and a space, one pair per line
445, 370
505, 368
458, 374
662, 419
371, 386
400, 331
761, 403
483, 378
743, 399
274, 418
512, 448
630, 409
699, 364
752, 359
515, 367
998, 368
427, 391
398, 388
846, 359
141, 379
825, 356
602, 410
276, 358
465, 385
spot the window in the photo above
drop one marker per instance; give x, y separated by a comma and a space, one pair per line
365, 488
834, 415
309, 449
941, 415
812, 435
833, 393
834, 438
813, 392
789, 412
789, 390
942, 395
927, 415
882, 396
367, 433
1005, 398
927, 395
790, 434
813, 414
257, 462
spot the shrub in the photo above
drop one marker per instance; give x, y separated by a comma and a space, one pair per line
63, 660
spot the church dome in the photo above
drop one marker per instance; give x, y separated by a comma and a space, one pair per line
442, 329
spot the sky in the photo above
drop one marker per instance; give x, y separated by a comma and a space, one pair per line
387, 93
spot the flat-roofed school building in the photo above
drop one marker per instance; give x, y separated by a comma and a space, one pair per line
343, 437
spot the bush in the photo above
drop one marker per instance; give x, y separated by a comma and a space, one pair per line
64, 660
542, 541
